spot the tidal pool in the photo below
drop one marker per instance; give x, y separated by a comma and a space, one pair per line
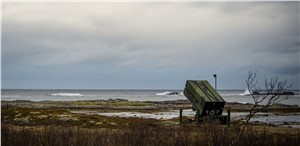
278, 119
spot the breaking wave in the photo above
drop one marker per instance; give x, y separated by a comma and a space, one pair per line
66, 94
246, 93
164, 93
169, 93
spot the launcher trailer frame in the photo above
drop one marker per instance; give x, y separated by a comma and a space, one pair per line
206, 101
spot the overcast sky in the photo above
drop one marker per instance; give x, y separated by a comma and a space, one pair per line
148, 45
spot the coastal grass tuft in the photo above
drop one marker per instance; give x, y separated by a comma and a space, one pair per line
46, 123
144, 133
62, 117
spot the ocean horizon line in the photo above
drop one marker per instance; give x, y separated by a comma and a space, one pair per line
120, 89
102, 89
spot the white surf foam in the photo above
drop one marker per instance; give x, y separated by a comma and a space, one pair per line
246, 93
163, 93
66, 94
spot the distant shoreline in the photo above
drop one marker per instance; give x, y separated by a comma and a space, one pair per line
36, 113
134, 105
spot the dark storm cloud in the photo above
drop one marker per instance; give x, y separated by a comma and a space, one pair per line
147, 45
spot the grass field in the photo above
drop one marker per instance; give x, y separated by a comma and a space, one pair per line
25, 124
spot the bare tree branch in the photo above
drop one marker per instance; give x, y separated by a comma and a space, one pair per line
274, 88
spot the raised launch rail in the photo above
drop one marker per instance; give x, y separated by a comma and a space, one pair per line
206, 101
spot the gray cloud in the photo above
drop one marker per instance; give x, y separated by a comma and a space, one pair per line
147, 45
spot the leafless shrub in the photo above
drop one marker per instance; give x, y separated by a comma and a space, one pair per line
273, 94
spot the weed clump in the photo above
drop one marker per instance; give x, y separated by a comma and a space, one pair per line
142, 133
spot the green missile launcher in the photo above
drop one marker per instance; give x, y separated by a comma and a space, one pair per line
206, 101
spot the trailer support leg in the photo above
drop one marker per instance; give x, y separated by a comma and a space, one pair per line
180, 116
198, 117
228, 117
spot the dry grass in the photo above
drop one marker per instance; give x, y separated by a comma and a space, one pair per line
143, 133
27, 126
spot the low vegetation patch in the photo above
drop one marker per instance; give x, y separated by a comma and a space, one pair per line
23, 124
62, 117
143, 133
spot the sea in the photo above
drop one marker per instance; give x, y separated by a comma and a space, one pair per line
239, 96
